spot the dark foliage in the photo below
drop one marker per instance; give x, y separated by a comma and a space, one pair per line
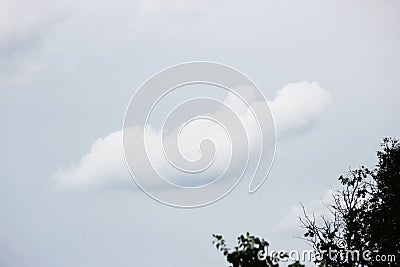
251, 251
366, 215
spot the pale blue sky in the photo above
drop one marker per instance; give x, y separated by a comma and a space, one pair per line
69, 69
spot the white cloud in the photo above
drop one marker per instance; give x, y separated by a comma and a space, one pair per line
103, 165
296, 106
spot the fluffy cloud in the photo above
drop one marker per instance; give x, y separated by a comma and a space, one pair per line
103, 166
296, 106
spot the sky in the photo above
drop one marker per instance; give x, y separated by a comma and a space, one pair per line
68, 69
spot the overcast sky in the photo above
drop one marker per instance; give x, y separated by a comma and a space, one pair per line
68, 70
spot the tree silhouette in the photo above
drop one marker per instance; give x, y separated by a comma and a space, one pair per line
365, 216
251, 251
384, 214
